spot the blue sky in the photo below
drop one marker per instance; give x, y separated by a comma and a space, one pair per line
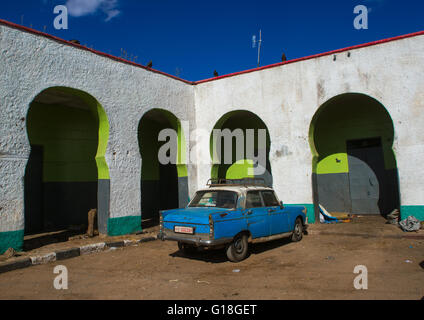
191, 38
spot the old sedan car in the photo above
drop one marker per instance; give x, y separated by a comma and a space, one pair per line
229, 214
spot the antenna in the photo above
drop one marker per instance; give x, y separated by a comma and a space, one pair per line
259, 47
259, 42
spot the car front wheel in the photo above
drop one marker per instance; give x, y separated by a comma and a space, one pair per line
237, 250
298, 230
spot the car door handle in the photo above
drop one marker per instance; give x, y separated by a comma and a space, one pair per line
271, 210
249, 212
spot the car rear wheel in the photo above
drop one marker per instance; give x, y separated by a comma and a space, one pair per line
237, 250
186, 248
298, 230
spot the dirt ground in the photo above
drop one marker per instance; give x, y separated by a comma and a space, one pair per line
319, 267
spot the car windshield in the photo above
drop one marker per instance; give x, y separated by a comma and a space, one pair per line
216, 199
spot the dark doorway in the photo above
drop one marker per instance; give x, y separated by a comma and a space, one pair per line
61, 178
168, 186
163, 186
33, 191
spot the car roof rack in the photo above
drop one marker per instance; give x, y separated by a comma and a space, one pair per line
245, 182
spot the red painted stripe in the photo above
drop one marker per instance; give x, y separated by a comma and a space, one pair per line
17, 26
373, 43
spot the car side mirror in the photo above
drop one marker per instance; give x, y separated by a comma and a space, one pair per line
281, 205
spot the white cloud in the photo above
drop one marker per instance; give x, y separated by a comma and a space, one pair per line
112, 14
79, 8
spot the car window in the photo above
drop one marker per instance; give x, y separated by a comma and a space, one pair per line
253, 199
219, 199
270, 199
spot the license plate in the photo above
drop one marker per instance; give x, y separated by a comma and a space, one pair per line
179, 229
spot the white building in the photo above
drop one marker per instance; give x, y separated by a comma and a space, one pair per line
79, 130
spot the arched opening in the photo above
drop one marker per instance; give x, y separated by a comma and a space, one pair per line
354, 166
66, 174
164, 183
246, 153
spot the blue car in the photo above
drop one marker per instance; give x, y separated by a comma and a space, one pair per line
230, 214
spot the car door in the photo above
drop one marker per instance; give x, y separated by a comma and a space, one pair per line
257, 215
278, 217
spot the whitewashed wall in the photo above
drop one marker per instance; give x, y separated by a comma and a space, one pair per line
31, 63
286, 97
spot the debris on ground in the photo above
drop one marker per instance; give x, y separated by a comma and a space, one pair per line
341, 215
10, 253
202, 281
408, 261
410, 224
326, 217
393, 217
236, 270
92, 223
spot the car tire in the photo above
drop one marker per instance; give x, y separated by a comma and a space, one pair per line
186, 248
297, 231
238, 249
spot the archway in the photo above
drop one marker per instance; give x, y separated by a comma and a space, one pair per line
242, 164
163, 185
66, 174
354, 166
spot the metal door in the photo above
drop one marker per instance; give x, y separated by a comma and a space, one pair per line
366, 174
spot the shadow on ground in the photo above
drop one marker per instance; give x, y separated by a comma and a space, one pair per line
219, 256
36, 241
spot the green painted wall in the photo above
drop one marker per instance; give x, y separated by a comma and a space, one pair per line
69, 137
348, 117
100, 115
149, 145
240, 169
11, 239
72, 137
124, 225
416, 211
244, 120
